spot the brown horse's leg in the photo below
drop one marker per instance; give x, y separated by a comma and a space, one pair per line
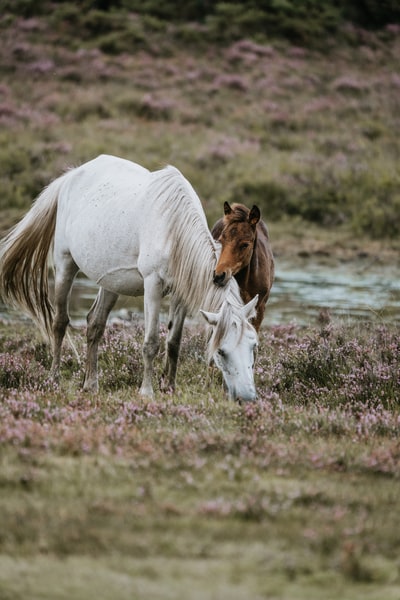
96, 323
64, 278
258, 319
176, 319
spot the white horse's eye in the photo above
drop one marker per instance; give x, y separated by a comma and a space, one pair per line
221, 353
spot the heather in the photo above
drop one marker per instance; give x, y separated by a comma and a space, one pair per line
276, 498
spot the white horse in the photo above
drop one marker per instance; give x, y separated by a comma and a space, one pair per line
133, 232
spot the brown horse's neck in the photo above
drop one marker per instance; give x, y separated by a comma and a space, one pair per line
244, 276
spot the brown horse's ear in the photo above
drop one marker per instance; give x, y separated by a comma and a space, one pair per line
227, 209
254, 215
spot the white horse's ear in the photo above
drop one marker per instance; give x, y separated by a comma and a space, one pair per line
249, 310
211, 318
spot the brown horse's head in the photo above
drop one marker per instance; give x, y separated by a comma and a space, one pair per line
237, 238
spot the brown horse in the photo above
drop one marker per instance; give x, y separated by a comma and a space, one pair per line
246, 254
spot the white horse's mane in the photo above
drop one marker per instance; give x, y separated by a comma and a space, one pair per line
193, 254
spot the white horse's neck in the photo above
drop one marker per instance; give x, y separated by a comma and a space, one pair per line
193, 250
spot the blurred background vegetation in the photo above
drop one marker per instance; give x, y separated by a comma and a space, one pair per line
293, 105
300, 21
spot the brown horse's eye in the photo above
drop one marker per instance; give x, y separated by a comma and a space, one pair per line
244, 246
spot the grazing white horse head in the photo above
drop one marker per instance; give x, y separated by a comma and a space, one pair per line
232, 346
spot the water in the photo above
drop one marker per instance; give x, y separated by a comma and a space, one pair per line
301, 290
353, 290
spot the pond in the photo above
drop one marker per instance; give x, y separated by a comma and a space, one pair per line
302, 289
349, 290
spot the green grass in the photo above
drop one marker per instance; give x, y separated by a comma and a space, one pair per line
191, 496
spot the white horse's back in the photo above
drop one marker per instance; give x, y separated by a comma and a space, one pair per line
100, 215
115, 220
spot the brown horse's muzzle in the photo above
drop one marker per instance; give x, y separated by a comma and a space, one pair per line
220, 279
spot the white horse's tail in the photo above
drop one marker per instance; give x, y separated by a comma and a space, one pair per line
23, 259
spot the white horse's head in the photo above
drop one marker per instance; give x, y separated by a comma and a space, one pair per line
232, 346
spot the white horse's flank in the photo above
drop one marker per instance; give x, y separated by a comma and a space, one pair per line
133, 232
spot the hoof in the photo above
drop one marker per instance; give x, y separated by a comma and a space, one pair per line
146, 392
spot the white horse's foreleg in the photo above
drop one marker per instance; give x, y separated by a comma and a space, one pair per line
64, 277
176, 319
96, 323
152, 303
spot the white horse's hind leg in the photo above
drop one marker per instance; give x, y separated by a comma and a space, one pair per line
152, 304
64, 277
96, 323
176, 319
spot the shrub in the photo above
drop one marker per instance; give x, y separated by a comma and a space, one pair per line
362, 370
271, 197
306, 22
120, 360
379, 216
24, 8
22, 171
21, 371
148, 107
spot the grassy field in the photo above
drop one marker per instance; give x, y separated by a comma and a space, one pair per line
310, 136
190, 496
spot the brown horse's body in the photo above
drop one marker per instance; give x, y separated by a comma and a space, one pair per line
246, 254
